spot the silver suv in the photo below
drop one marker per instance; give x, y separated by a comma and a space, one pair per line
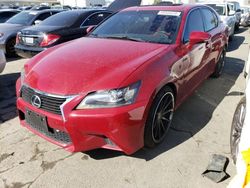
236, 8
226, 14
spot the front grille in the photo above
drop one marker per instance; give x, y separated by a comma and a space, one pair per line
48, 103
44, 129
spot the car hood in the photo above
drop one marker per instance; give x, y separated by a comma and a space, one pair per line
40, 29
88, 64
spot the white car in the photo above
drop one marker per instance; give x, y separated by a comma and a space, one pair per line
241, 119
245, 16
2, 61
226, 14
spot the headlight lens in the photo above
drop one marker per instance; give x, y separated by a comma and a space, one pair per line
110, 98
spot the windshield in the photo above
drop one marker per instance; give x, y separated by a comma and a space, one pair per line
220, 9
142, 26
62, 19
23, 18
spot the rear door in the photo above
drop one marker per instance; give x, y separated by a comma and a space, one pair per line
212, 26
197, 54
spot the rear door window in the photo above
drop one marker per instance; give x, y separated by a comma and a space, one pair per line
194, 23
4, 16
43, 16
210, 19
95, 19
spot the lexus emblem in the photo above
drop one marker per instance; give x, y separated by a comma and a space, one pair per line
36, 101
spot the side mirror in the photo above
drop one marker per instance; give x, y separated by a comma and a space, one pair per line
37, 22
90, 28
238, 10
197, 37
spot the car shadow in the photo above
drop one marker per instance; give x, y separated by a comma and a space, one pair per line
8, 96
10, 59
192, 116
235, 43
241, 30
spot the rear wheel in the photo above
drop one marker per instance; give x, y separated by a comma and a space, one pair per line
236, 128
231, 37
10, 48
237, 26
220, 65
160, 118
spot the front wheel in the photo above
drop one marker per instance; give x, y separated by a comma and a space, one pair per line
10, 48
160, 118
236, 128
220, 65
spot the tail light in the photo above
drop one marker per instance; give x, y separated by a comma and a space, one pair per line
18, 38
49, 39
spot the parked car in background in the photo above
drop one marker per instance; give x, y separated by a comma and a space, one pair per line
9, 29
6, 14
245, 16
236, 8
59, 7
25, 8
2, 61
239, 118
40, 7
226, 15
57, 29
118, 87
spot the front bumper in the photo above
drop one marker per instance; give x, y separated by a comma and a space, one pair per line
27, 51
119, 128
2, 47
2, 61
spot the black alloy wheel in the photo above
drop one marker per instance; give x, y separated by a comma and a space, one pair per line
220, 65
160, 118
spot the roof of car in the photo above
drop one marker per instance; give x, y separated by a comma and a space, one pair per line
81, 12
214, 3
42, 11
85, 10
9, 10
174, 7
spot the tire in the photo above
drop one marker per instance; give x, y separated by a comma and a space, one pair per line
236, 128
10, 48
220, 65
159, 118
237, 27
231, 38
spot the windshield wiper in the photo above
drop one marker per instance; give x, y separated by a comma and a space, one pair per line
124, 38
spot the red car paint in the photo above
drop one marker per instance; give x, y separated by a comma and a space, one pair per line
86, 65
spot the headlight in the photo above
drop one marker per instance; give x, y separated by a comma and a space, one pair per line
110, 98
1, 35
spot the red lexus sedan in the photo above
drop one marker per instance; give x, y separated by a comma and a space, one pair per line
118, 87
